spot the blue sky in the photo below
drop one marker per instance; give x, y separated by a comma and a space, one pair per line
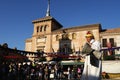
16, 16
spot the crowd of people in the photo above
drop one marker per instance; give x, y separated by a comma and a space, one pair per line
31, 71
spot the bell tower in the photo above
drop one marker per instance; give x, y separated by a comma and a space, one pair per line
46, 24
42, 33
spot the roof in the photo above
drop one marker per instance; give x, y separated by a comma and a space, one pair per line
110, 32
46, 18
75, 28
43, 19
115, 30
86, 26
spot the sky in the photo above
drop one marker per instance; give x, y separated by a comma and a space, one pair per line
16, 16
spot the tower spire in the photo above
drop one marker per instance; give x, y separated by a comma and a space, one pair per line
48, 9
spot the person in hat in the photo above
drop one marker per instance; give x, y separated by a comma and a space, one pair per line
92, 64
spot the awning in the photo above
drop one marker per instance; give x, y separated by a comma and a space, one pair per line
71, 63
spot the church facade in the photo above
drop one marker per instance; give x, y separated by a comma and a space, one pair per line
50, 36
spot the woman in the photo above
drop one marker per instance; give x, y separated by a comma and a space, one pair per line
92, 65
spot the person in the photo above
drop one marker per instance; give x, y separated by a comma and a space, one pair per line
69, 73
92, 58
79, 72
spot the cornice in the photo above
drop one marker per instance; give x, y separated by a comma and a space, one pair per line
28, 40
78, 28
47, 18
114, 31
109, 33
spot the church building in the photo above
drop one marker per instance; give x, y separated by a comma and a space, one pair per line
50, 36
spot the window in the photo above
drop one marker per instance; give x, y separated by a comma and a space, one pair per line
57, 37
111, 40
41, 28
37, 28
104, 42
45, 27
73, 36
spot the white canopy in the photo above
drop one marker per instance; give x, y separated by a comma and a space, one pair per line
111, 66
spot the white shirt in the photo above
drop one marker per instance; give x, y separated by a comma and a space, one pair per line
95, 44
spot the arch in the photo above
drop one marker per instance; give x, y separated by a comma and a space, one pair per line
37, 29
41, 28
73, 35
45, 27
57, 37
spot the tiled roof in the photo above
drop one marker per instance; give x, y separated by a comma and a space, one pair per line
46, 18
115, 30
43, 19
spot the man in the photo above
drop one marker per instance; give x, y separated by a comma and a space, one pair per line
92, 65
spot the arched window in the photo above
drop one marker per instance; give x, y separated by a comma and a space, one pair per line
45, 27
57, 37
41, 28
37, 28
73, 36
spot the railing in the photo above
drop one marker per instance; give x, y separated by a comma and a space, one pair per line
17, 53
